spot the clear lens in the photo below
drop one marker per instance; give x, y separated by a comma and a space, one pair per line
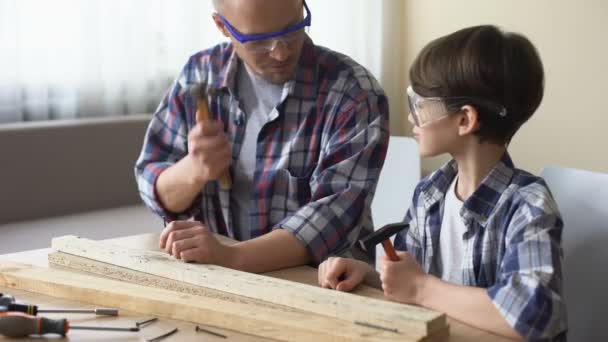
267, 45
425, 111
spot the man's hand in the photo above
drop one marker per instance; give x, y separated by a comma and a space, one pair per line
191, 241
402, 280
342, 274
208, 157
208, 151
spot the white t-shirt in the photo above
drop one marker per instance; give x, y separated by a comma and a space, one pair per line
258, 98
451, 244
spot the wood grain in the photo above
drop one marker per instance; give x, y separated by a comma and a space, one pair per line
328, 303
272, 322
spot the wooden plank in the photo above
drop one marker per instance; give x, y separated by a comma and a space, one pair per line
276, 322
186, 330
321, 301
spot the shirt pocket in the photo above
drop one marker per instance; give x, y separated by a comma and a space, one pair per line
290, 193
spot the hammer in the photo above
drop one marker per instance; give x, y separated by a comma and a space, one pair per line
202, 115
383, 235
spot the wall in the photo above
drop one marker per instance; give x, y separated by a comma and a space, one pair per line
569, 129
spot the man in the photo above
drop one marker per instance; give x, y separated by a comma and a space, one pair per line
301, 130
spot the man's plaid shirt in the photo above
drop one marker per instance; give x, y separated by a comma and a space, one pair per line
318, 158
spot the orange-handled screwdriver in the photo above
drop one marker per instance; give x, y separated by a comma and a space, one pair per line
202, 115
17, 324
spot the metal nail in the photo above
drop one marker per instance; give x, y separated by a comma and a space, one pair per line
209, 332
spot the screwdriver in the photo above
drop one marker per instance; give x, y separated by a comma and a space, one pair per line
17, 324
6, 298
7, 303
33, 310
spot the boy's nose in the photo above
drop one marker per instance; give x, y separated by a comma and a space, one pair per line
410, 118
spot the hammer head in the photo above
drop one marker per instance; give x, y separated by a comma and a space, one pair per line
367, 243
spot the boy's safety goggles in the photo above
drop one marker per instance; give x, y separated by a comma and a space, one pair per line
426, 110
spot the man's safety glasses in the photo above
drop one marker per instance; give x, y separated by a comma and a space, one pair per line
266, 42
426, 110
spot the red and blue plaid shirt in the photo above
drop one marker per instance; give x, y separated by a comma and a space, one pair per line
318, 158
512, 244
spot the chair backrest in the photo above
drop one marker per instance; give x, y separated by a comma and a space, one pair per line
582, 198
398, 179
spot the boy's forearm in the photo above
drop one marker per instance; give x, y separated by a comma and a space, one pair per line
470, 305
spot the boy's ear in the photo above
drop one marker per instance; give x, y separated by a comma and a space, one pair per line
220, 25
469, 120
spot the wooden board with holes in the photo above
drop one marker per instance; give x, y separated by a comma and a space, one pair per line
136, 265
269, 321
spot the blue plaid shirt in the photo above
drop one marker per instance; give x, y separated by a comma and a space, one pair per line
318, 158
512, 246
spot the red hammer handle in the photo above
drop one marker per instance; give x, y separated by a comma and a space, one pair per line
390, 250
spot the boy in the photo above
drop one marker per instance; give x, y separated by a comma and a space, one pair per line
484, 238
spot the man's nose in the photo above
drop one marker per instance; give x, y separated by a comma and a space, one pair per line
280, 50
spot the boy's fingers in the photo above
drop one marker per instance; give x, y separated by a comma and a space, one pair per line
403, 255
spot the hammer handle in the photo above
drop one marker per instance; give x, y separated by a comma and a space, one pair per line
390, 250
202, 115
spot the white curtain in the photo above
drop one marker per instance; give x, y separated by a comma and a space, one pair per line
372, 32
74, 58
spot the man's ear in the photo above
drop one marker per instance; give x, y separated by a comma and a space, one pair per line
220, 25
469, 120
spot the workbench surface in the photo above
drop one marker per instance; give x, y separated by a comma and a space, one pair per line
459, 332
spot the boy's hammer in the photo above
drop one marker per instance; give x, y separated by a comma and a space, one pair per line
383, 235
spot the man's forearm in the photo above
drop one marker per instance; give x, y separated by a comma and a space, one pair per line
176, 187
275, 250
470, 305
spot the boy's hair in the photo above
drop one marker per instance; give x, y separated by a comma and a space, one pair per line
483, 62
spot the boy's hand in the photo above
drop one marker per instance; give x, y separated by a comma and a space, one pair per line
191, 241
342, 274
402, 280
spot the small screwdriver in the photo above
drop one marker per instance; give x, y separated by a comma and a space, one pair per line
7, 303
17, 324
33, 310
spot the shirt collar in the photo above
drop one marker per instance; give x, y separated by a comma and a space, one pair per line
306, 71
483, 201
226, 79
305, 74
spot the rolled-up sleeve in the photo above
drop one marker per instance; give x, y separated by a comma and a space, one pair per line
344, 181
165, 143
528, 292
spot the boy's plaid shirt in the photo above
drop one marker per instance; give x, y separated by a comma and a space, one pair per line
318, 159
512, 245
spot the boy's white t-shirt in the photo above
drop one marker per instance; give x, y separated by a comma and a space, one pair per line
451, 243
